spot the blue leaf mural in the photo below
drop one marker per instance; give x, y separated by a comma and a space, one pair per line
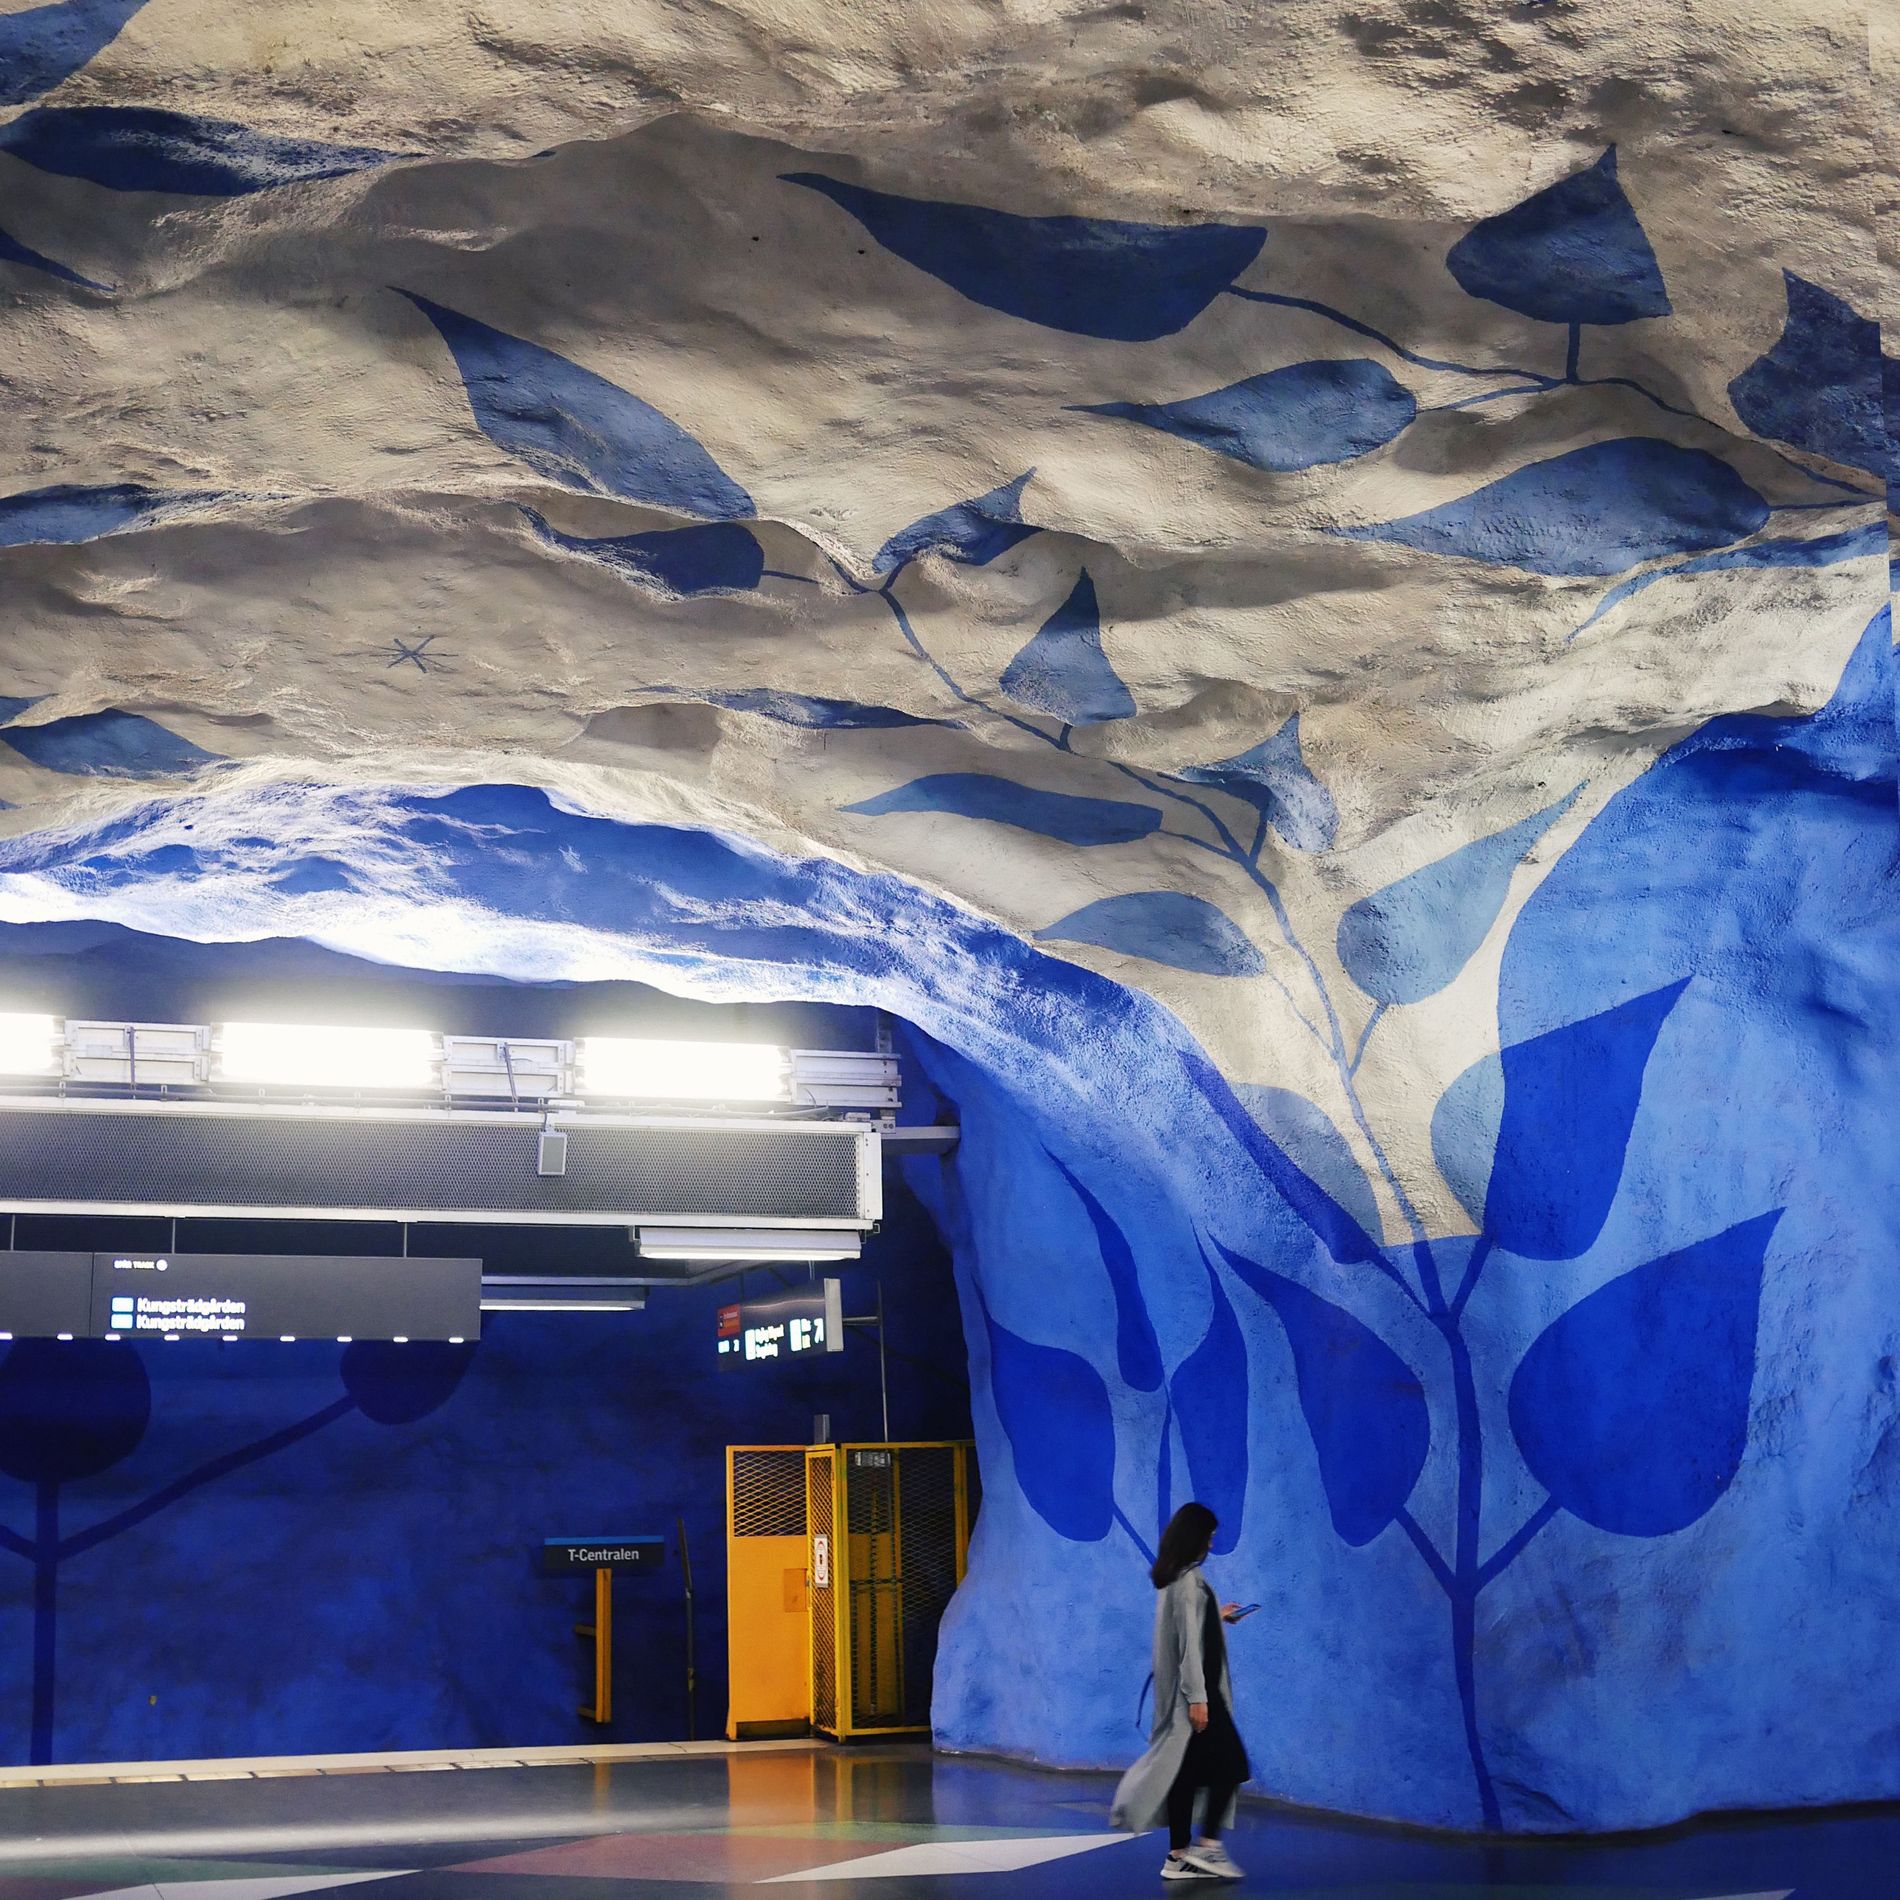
1286, 419
813, 712
1571, 253
1632, 1408
1364, 1406
1089, 276
1186, 933
12, 708
1063, 669
1465, 1121
1570, 1100
108, 744
12, 251
1304, 1134
1137, 1351
142, 148
714, 557
1208, 1395
1001, 801
1054, 1410
578, 429
46, 45
1819, 388
972, 533
1408, 940
67, 513
1274, 779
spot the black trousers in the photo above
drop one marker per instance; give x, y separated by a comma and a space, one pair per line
1181, 1809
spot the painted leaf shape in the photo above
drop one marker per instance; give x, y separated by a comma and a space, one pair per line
1631, 1409
1570, 1101
1465, 1122
1408, 940
1054, 1410
68, 513
1349, 1243
578, 429
1171, 927
12, 251
1001, 801
813, 712
45, 45
1819, 388
1574, 252
1364, 1406
1595, 510
1063, 669
12, 707
1286, 419
70, 1409
1274, 778
1090, 276
1137, 1351
143, 148
1208, 1395
972, 533
1305, 1135
713, 557
108, 744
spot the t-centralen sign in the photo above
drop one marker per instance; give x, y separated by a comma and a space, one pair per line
796, 1325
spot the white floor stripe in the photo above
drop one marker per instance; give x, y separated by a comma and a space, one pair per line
954, 1857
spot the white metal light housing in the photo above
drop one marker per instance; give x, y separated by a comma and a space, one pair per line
29, 1045
323, 1056
748, 1243
628, 1068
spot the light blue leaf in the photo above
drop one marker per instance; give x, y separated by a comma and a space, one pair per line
12, 251
109, 744
1286, 419
1595, 510
1819, 388
1407, 941
1089, 276
578, 429
1305, 1136
714, 557
1137, 1351
1001, 801
972, 533
1631, 1409
11, 708
66, 514
1571, 253
141, 148
1465, 1124
45, 45
814, 713
1364, 1406
1063, 669
1208, 1395
1186, 933
1570, 1100
1274, 779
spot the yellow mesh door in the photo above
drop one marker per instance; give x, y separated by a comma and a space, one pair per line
877, 1614
822, 1563
767, 1630
928, 1541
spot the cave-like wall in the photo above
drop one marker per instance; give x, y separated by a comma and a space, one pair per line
1303, 590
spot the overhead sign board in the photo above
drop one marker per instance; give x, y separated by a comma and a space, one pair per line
801, 1324
561, 1556
43, 1295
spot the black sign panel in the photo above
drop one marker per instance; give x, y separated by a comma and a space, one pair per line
43, 1295
796, 1325
562, 1556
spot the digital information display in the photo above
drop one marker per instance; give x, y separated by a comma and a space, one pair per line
238, 1296
796, 1325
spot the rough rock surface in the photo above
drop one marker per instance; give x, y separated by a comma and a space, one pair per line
1303, 590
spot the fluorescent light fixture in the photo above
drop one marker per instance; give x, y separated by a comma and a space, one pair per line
561, 1293
29, 1045
62, 1335
684, 1071
323, 1056
747, 1243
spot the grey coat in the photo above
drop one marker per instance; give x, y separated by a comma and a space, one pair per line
1141, 1801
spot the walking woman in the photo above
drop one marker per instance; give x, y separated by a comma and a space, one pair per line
1194, 1745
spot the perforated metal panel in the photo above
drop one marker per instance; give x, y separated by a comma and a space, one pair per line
768, 1493
819, 1516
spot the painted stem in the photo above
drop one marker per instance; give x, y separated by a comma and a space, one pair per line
1464, 1563
45, 1619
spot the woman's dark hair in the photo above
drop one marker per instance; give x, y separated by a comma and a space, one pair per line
1184, 1543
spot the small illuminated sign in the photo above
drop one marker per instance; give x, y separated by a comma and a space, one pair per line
796, 1325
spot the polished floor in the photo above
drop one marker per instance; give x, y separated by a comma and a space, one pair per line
820, 1825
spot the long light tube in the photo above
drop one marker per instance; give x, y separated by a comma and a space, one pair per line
627, 1067
322, 1056
748, 1243
29, 1045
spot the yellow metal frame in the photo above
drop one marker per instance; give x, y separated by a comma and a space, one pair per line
601, 1630
733, 1453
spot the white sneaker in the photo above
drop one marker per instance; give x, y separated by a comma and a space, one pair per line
1212, 1860
1175, 1867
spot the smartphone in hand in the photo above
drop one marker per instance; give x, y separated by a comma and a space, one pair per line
1246, 1609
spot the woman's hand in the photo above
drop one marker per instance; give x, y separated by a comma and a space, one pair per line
1230, 1612
1197, 1716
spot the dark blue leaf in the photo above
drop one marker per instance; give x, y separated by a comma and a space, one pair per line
1137, 1351
12, 708
1465, 1124
713, 557
1001, 801
1336, 1230
141, 148
577, 428
1407, 941
68, 514
1819, 388
1363, 1405
814, 713
107, 745
1286, 419
397, 1382
1208, 1395
1631, 1409
1570, 1100
45, 45
70, 1408
12, 251
1054, 1410
1274, 779
1595, 510
1063, 669
1571, 253
1307, 1139
1186, 933
1090, 276
972, 533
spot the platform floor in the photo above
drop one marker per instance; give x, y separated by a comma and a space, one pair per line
818, 1824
